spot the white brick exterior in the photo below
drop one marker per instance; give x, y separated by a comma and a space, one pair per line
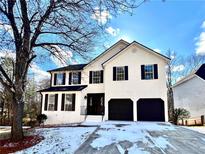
134, 88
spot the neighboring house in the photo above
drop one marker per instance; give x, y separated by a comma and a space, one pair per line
189, 92
126, 82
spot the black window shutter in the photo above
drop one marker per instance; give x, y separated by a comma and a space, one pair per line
73, 102
79, 77
155, 71
90, 76
126, 72
51, 79
63, 78
114, 73
142, 72
55, 78
56, 102
46, 103
101, 76
70, 78
62, 102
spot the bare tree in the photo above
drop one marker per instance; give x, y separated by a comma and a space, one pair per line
171, 79
46, 25
193, 62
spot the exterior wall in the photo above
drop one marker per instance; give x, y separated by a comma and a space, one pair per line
135, 88
190, 95
62, 117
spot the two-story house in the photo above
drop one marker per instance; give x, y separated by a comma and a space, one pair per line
126, 82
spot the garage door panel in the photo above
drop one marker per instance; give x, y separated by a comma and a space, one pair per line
150, 110
120, 109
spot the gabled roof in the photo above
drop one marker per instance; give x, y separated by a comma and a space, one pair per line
200, 72
69, 68
107, 50
64, 88
143, 46
81, 66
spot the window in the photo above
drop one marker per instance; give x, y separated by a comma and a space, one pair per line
75, 78
120, 73
59, 78
51, 102
149, 72
96, 77
68, 102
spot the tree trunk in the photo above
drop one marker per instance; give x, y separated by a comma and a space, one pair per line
170, 104
17, 130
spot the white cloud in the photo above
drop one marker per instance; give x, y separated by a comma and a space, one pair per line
179, 78
7, 28
178, 68
157, 50
67, 55
200, 45
38, 72
172, 56
112, 31
7, 53
203, 24
101, 16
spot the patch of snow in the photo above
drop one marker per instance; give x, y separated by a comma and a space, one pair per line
111, 132
162, 143
120, 149
136, 150
59, 140
200, 129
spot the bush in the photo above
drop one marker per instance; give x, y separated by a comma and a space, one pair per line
42, 118
180, 114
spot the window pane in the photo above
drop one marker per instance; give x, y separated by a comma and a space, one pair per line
75, 77
149, 72
120, 73
96, 76
68, 102
51, 102
59, 79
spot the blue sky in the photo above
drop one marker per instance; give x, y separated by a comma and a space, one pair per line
163, 25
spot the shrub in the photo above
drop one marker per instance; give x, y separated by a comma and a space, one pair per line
42, 118
180, 114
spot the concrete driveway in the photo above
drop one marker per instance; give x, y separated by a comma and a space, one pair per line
142, 138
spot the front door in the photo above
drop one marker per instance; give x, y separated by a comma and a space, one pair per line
95, 104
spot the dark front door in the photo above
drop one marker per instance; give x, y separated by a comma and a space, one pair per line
150, 110
120, 109
95, 104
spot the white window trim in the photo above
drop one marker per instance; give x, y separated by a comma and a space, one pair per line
123, 74
96, 77
149, 72
72, 78
49, 102
68, 103
57, 73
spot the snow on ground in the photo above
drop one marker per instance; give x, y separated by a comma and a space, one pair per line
112, 132
59, 140
6, 129
200, 129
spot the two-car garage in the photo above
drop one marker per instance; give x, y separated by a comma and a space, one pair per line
148, 109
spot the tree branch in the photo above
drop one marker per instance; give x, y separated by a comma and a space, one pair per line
5, 75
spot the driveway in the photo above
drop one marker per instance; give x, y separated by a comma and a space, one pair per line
142, 138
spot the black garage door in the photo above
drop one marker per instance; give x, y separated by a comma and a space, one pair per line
150, 110
120, 109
